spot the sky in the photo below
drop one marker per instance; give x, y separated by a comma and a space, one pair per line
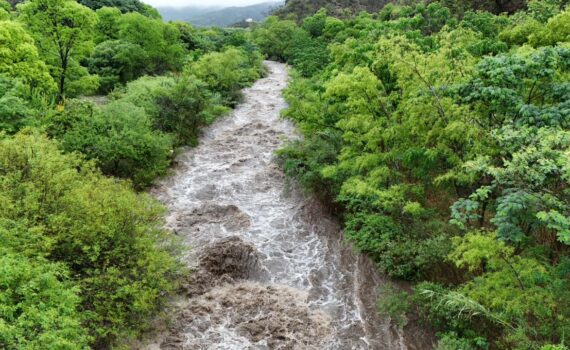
181, 3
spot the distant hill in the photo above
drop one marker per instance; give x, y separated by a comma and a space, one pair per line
184, 13
219, 17
344, 8
303, 8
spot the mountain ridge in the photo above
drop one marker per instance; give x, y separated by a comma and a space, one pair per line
220, 16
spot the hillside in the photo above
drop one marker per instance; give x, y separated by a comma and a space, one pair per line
220, 17
343, 8
303, 8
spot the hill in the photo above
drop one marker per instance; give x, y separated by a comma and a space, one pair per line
300, 9
220, 17
303, 8
184, 13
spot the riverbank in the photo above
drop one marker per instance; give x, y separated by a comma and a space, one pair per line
258, 241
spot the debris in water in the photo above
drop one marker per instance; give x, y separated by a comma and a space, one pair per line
223, 262
270, 316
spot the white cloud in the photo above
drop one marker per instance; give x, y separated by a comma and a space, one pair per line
205, 3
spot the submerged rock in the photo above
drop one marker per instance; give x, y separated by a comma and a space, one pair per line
231, 256
223, 262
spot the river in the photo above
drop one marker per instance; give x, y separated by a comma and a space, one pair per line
272, 271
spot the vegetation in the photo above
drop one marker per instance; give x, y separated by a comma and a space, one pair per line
84, 261
441, 136
301, 9
438, 131
78, 228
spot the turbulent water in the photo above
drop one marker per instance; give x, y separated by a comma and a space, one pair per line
271, 270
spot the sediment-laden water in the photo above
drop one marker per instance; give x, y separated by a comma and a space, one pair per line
271, 269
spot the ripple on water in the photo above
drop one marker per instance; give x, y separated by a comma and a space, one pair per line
306, 289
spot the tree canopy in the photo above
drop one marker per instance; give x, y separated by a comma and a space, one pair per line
440, 135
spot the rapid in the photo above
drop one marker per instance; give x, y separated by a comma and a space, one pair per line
270, 267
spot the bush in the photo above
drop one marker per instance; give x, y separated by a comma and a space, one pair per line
184, 107
115, 63
120, 138
308, 55
178, 106
59, 207
39, 306
394, 303
14, 110
226, 73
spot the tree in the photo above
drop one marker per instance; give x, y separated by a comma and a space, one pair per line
518, 295
159, 43
184, 107
39, 306
275, 36
119, 138
63, 30
102, 240
5, 9
557, 30
20, 59
107, 27
226, 72
115, 62
15, 111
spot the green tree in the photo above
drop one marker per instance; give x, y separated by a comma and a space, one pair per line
115, 62
184, 107
60, 208
119, 138
227, 72
20, 58
5, 9
15, 111
39, 306
557, 30
275, 36
63, 30
107, 25
159, 43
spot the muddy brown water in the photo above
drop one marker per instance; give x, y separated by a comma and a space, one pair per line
271, 268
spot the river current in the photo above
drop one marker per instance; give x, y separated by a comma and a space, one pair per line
272, 270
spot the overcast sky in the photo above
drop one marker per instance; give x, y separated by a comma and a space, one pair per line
180, 3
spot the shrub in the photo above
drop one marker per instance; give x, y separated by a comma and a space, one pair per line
14, 110
184, 107
226, 73
178, 106
120, 138
39, 306
115, 63
57, 206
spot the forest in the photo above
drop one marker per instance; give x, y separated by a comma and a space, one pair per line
84, 261
440, 135
438, 132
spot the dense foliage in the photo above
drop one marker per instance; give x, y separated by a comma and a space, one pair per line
75, 227
442, 136
301, 9
84, 261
